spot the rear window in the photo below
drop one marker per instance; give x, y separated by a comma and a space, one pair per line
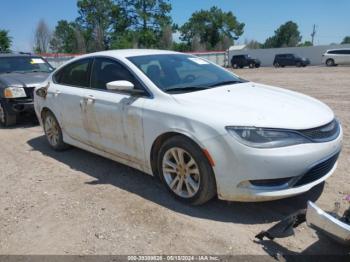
75, 74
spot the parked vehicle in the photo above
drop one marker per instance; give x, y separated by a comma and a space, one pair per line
283, 60
336, 57
240, 61
203, 130
19, 75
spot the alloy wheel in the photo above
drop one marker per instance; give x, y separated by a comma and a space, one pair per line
51, 130
181, 172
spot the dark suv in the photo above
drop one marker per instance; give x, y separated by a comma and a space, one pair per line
240, 61
283, 60
19, 75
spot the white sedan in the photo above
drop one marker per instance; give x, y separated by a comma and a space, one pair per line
203, 130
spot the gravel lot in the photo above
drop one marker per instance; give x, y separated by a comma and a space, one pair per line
78, 203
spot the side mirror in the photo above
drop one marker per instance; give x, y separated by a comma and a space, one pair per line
121, 85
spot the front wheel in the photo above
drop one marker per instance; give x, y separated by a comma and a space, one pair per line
185, 171
6, 119
53, 132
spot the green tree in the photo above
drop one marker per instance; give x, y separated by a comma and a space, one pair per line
252, 44
287, 35
5, 41
181, 47
150, 19
305, 44
96, 18
67, 38
214, 28
346, 40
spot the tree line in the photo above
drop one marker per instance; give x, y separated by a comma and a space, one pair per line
118, 24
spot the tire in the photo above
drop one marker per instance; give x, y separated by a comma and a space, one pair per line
53, 132
257, 65
276, 64
6, 119
251, 65
198, 186
330, 62
234, 66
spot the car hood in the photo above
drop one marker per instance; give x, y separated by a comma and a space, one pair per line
252, 104
23, 79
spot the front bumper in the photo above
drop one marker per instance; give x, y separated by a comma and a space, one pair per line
236, 165
16, 106
329, 225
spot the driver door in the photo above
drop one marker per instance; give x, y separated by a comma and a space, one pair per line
114, 118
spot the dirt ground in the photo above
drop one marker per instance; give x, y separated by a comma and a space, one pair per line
75, 202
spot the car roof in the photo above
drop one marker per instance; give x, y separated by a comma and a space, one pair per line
124, 53
337, 49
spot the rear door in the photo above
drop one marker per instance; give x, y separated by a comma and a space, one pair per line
343, 56
70, 93
290, 60
347, 57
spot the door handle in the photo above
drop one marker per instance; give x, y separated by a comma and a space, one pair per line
89, 99
56, 93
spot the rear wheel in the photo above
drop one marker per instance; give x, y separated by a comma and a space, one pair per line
330, 62
234, 65
185, 171
53, 132
6, 119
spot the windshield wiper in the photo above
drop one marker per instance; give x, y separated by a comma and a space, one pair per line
187, 88
227, 83
39, 71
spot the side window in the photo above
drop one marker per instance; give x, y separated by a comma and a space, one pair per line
107, 70
75, 74
344, 52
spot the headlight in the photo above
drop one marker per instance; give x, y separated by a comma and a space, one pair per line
265, 137
14, 92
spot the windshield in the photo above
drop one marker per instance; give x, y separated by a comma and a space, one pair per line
182, 73
24, 64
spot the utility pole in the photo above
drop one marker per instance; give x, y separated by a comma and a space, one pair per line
313, 34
